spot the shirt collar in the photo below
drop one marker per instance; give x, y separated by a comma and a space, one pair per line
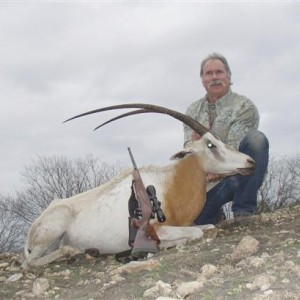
222, 99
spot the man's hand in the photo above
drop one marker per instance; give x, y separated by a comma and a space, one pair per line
196, 136
211, 177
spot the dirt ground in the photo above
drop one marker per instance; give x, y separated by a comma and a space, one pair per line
277, 260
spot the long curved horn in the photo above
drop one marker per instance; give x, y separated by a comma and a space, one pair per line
189, 121
134, 112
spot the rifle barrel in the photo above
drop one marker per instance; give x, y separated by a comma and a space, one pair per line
132, 158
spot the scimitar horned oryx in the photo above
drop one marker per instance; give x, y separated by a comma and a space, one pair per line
98, 218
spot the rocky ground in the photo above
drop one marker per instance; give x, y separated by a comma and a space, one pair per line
259, 260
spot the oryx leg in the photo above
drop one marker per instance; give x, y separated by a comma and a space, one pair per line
59, 253
172, 236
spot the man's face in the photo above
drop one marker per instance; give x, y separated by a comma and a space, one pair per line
215, 79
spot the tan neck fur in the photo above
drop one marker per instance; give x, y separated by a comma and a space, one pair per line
185, 193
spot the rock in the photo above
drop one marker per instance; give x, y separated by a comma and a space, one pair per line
20, 293
15, 277
253, 261
256, 261
30, 276
40, 286
66, 273
117, 278
263, 281
137, 266
247, 246
250, 286
264, 218
161, 289
289, 264
207, 271
268, 292
13, 269
265, 255
4, 265
189, 288
210, 232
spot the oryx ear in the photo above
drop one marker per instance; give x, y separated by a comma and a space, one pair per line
182, 154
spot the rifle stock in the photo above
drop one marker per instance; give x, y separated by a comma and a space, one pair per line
143, 244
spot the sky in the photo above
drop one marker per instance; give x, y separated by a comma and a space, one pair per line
62, 58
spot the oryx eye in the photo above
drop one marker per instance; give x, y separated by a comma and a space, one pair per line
210, 145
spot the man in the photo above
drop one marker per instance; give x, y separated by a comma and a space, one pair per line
234, 119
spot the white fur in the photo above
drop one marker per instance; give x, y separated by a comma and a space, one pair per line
98, 218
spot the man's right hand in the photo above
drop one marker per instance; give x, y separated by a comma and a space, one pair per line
196, 136
211, 177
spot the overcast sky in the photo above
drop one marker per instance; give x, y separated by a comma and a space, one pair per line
61, 58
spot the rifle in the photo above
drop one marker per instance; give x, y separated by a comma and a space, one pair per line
143, 244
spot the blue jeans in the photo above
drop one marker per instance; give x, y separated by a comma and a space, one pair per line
241, 190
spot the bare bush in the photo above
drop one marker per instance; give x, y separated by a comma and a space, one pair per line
57, 177
11, 227
46, 179
281, 187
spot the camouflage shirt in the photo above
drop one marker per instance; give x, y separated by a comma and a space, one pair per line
231, 118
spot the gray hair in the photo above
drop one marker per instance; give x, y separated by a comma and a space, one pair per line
215, 56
